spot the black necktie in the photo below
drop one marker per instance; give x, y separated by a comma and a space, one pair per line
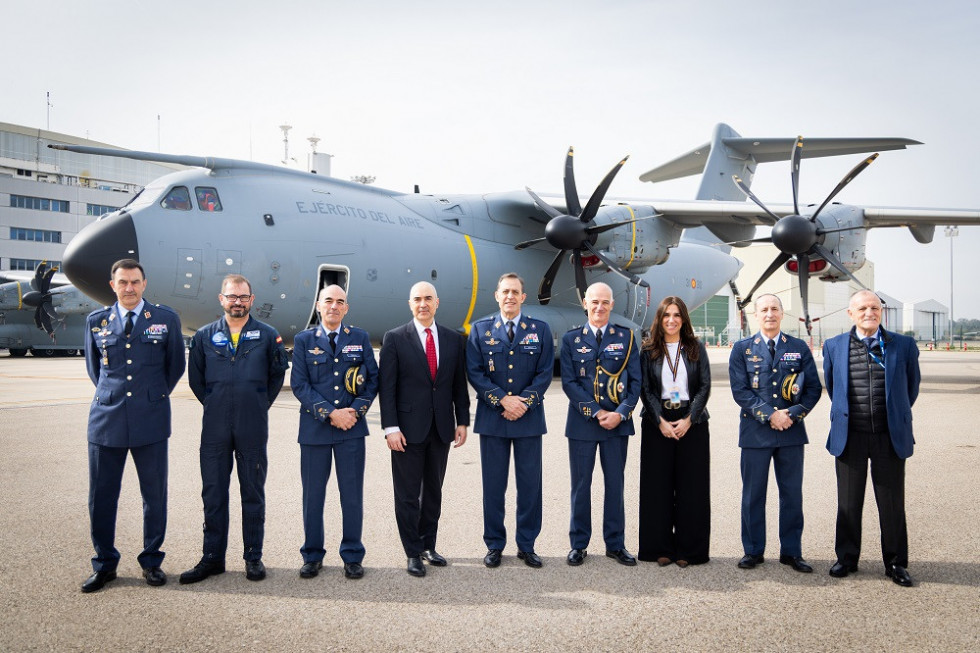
510, 330
598, 337
333, 342
869, 342
129, 323
772, 351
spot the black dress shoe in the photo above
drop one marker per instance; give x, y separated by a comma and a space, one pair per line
98, 580
749, 561
434, 558
797, 563
310, 569
254, 570
623, 557
202, 570
530, 558
492, 558
840, 570
154, 576
899, 575
353, 570
415, 567
576, 557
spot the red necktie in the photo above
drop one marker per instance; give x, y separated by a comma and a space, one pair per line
430, 352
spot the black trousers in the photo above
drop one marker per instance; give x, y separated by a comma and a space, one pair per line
417, 474
888, 481
675, 492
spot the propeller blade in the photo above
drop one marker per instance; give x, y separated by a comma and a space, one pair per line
743, 243
748, 193
528, 243
45, 283
795, 173
544, 290
38, 273
775, 265
848, 178
834, 261
42, 321
600, 192
571, 194
804, 272
49, 309
615, 268
612, 225
579, 274
541, 204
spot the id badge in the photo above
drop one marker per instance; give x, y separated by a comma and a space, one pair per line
755, 382
675, 396
581, 372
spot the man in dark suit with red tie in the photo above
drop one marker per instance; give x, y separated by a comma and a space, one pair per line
425, 406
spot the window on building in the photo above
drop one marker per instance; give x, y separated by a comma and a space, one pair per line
177, 198
30, 264
37, 235
99, 209
207, 199
39, 203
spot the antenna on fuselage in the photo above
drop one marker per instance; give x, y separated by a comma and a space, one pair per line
285, 143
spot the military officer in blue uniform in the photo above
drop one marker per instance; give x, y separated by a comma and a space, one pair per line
134, 354
236, 369
600, 374
335, 378
510, 360
774, 381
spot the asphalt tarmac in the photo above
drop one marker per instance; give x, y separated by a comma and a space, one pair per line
45, 547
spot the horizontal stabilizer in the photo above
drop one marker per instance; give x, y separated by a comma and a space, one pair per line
767, 150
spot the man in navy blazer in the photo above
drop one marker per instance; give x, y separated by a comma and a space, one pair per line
872, 377
425, 406
774, 381
510, 359
134, 354
335, 378
600, 374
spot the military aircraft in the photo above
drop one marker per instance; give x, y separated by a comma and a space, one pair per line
292, 232
42, 314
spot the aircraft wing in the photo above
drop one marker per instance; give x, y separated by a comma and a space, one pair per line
7, 276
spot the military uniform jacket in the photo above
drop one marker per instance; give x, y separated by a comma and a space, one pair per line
498, 367
133, 376
237, 386
323, 382
587, 372
761, 387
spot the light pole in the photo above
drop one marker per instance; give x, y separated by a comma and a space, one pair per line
951, 232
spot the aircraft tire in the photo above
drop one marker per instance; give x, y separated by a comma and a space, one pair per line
18, 353
45, 353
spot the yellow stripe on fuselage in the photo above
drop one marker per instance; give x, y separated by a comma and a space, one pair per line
633, 243
476, 280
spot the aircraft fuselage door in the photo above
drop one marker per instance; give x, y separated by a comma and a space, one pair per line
328, 275
189, 268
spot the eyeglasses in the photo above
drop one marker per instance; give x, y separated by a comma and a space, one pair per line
236, 298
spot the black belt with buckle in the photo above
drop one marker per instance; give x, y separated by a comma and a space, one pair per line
670, 405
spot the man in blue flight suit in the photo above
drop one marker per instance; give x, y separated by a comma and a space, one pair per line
236, 369
134, 355
774, 380
600, 374
335, 378
510, 360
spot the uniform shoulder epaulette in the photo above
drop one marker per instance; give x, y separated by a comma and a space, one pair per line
575, 328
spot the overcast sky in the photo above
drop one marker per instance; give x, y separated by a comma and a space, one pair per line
461, 98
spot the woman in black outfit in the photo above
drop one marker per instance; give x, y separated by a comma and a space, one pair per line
675, 503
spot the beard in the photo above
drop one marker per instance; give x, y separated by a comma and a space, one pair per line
236, 311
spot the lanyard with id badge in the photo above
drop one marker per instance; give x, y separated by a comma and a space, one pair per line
674, 401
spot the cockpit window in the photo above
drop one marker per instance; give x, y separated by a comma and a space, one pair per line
207, 199
178, 198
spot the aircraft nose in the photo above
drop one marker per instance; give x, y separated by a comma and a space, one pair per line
89, 256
